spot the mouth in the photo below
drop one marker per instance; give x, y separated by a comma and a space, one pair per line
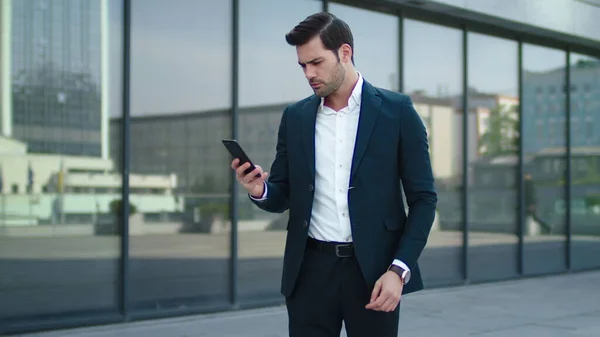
315, 85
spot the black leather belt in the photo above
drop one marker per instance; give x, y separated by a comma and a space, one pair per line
332, 248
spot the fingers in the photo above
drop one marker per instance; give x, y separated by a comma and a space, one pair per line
378, 304
252, 181
384, 303
240, 169
240, 172
390, 304
376, 291
382, 299
376, 296
250, 178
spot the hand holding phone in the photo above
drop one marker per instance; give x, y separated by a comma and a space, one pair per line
249, 175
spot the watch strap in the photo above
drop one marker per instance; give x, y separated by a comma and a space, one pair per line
401, 272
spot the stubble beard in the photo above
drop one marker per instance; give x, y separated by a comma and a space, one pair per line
334, 84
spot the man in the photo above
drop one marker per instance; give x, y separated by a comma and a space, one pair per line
531, 208
351, 250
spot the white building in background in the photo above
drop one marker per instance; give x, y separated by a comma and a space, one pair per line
443, 119
40, 189
55, 165
445, 145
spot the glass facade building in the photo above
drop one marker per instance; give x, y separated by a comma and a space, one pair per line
56, 76
106, 101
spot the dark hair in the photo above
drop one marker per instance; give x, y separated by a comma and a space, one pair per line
332, 31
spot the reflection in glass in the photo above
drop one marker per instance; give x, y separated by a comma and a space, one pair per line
585, 161
179, 170
577, 17
493, 127
544, 141
181, 52
375, 44
270, 79
269, 70
59, 234
433, 79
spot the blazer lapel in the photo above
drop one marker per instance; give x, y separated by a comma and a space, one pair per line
309, 119
369, 110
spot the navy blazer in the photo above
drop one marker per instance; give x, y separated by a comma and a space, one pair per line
391, 152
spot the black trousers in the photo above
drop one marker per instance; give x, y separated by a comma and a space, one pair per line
330, 290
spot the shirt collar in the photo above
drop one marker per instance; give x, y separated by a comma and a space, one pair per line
353, 101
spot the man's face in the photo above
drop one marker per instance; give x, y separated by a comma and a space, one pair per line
323, 70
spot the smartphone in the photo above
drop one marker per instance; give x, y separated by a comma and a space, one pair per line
236, 151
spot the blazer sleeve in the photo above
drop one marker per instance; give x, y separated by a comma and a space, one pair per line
277, 185
415, 171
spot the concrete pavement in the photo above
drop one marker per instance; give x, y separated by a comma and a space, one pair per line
562, 306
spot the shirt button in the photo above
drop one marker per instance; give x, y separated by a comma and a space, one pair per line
311, 187
305, 224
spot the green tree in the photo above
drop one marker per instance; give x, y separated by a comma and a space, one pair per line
502, 134
116, 207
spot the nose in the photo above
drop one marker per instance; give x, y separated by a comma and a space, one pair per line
309, 72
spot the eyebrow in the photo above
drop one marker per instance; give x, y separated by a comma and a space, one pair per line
311, 61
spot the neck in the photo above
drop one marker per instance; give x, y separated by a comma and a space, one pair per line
339, 99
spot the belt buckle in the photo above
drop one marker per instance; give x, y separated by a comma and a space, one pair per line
337, 250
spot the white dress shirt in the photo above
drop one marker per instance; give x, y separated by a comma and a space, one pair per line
335, 135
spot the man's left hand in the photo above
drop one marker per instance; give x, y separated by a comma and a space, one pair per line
386, 293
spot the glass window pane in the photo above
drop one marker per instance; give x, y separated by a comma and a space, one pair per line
376, 51
270, 78
575, 17
59, 239
433, 78
181, 86
181, 52
493, 127
544, 103
585, 161
269, 70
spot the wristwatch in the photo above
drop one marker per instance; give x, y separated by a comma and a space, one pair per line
404, 274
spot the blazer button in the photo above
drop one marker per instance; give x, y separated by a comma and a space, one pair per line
305, 224
311, 187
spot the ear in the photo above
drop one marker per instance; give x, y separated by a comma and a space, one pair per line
345, 53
